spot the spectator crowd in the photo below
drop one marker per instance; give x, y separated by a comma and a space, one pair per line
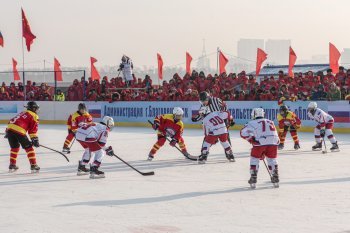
231, 87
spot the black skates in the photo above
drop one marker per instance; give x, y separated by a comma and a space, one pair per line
12, 168
202, 158
335, 147
281, 146
317, 147
95, 173
253, 179
34, 168
296, 146
275, 179
82, 170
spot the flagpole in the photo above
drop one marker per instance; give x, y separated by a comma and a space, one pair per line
217, 60
24, 79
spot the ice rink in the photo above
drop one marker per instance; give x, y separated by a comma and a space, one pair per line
182, 196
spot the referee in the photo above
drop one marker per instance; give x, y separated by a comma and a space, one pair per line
214, 104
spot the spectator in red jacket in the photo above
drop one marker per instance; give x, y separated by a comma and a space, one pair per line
4, 95
341, 76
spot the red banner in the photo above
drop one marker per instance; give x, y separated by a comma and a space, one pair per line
58, 71
222, 62
160, 66
15, 71
292, 60
260, 58
26, 32
334, 56
1, 40
94, 73
188, 63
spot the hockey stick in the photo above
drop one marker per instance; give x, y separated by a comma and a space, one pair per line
55, 151
142, 173
193, 159
267, 169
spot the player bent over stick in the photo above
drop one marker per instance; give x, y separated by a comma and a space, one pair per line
262, 134
16, 133
215, 129
323, 128
288, 121
93, 138
169, 125
80, 116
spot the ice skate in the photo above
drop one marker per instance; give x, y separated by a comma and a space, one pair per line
275, 179
317, 147
150, 157
230, 157
34, 168
82, 170
202, 158
66, 150
296, 146
253, 179
335, 147
95, 173
281, 146
12, 168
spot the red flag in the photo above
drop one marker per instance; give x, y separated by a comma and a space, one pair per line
57, 69
94, 73
188, 63
334, 56
292, 59
1, 40
260, 58
222, 62
15, 71
160, 66
26, 32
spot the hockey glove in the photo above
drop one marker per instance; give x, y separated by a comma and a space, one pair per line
232, 123
109, 151
173, 142
322, 133
155, 125
35, 141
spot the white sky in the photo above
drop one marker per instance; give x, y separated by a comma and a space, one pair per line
74, 30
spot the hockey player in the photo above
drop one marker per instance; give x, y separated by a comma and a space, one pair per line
262, 134
78, 117
16, 133
323, 128
169, 125
215, 129
288, 121
93, 138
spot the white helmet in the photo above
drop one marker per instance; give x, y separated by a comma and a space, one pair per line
108, 121
312, 107
204, 110
178, 113
257, 112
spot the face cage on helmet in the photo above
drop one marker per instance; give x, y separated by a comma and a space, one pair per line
178, 117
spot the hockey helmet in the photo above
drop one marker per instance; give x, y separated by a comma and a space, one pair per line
283, 110
257, 113
108, 121
32, 106
82, 108
204, 96
178, 113
312, 107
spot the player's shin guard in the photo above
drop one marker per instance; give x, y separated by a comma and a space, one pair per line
182, 147
294, 135
68, 140
86, 157
317, 135
330, 136
282, 135
13, 155
154, 149
31, 155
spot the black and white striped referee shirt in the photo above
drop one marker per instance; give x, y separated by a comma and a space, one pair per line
216, 105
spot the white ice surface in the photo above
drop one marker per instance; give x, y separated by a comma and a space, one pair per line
314, 193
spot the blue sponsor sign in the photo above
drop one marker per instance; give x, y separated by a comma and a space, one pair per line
8, 108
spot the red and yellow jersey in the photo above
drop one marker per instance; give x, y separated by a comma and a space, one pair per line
167, 126
290, 119
76, 118
26, 121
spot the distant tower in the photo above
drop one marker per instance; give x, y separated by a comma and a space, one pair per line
203, 63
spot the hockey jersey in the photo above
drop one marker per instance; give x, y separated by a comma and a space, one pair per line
214, 123
26, 121
76, 118
260, 132
321, 117
93, 132
167, 126
290, 119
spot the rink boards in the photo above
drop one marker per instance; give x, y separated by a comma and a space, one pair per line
137, 113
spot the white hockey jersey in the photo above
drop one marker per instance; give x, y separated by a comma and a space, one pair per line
94, 132
127, 70
263, 130
321, 117
214, 123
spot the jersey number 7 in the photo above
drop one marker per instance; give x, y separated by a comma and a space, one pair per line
270, 124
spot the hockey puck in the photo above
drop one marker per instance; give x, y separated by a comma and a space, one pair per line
324, 152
